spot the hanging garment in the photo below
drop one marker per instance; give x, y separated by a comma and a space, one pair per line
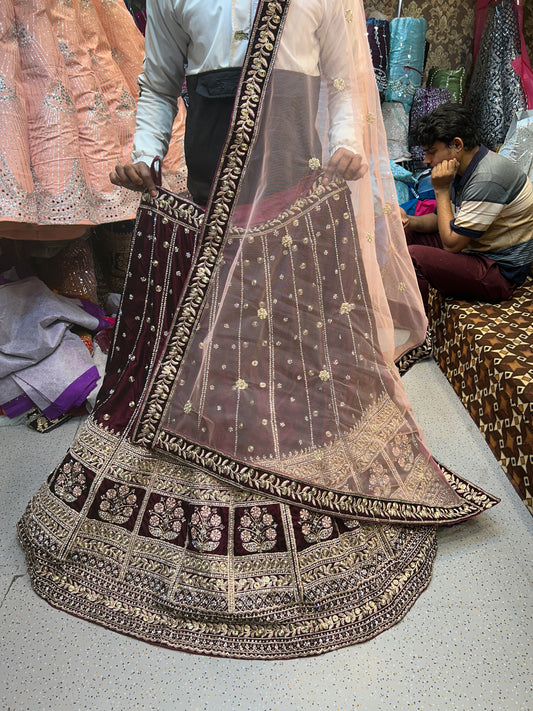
252, 482
518, 143
496, 91
396, 122
378, 32
68, 92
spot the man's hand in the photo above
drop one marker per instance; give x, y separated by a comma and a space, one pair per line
443, 174
346, 164
134, 176
405, 217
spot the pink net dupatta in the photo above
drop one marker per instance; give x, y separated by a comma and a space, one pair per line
278, 374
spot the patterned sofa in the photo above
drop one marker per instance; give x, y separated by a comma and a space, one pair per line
486, 352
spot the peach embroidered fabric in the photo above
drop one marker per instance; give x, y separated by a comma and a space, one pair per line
68, 91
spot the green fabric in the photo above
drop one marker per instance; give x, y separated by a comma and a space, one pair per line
451, 79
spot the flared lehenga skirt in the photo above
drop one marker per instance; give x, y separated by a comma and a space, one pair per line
166, 553
155, 548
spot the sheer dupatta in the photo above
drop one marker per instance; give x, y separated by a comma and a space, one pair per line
278, 374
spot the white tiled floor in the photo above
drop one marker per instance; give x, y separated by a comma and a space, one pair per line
464, 645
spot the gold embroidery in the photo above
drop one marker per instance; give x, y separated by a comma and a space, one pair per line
166, 519
71, 481
258, 530
346, 307
206, 529
118, 504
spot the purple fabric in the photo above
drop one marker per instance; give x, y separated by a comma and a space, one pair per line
42, 362
424, 101
17, 406
378, 33
95, 310
74, 395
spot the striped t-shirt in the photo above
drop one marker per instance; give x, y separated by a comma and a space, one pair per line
493, 205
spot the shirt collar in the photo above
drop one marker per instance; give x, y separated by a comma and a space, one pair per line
460, 180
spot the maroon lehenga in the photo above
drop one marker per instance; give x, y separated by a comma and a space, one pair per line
252, 482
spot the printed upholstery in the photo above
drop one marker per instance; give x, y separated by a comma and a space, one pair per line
486, 352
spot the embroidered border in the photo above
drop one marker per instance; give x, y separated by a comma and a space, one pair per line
261, 52
405, 362
339, 503
258, 62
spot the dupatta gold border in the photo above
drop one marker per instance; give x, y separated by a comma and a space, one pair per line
266, 32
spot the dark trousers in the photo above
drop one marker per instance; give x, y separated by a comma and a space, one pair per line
464, 276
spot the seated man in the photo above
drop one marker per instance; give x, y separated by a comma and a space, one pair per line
478, 244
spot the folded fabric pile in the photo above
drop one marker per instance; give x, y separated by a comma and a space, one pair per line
398, 49
44, 364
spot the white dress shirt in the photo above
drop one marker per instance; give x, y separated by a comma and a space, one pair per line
186, 37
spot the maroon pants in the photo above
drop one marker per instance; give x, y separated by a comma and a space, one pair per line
464, 276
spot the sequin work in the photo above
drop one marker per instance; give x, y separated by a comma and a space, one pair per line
165, 553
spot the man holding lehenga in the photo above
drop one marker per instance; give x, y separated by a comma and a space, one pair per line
252, 482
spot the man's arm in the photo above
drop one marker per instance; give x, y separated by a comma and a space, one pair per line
441, 177
160, 85
347, 159
420, 223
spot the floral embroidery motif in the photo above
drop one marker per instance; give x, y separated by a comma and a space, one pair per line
346, 307
117, 504
286, 240
324, 375
241, 384
166, 519
6, 93
187, 408
262, 313
258, 531
126, 106
71, 481
20, 33
315, 527
403, 451
206, 529
67, 53
348, 15
99, 106
370, 118
60, 99
339, 84
314, 163
379, 481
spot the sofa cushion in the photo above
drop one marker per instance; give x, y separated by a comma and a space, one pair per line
486, 352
